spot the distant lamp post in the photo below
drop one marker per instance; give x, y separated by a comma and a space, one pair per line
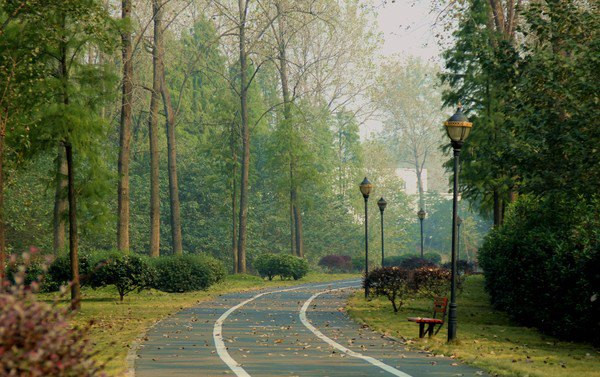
365, 189
421, 215
382, 204
458, 128
458, 224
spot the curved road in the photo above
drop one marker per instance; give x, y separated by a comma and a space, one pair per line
296, 331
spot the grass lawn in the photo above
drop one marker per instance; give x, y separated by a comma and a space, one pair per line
486, 338
117, 325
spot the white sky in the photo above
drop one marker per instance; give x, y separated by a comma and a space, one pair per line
407, 28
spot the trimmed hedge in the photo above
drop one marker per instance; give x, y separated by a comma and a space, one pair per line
188, 272
285, 265
542, 266
412, 261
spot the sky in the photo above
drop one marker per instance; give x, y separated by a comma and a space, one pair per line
407, 28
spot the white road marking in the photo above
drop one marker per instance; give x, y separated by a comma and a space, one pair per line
218, 329
334, 344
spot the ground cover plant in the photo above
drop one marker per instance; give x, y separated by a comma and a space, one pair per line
37, 338
487, 338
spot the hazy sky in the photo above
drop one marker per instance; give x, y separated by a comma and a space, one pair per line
407, 28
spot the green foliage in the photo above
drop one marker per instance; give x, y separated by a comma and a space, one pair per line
542, 266
285, 265
188, 272
127, 272
434, 258
59, 272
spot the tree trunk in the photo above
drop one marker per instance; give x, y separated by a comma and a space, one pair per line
245, 139
60, 200
299, 236
2, 241
498, 214
295, 215
153, 134
171, 142
125, 135
172, 168
234, 213
73, 238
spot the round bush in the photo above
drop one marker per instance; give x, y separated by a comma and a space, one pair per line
267, 265
391, 282
127, 272
285, 265
189, 272
434, 258
336, 263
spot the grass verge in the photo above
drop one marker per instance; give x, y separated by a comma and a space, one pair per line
486, 338
116, 325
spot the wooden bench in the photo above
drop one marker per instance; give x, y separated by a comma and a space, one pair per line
439, 306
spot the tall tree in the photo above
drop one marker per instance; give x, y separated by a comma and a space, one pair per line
125, 131
408, 96
157, 68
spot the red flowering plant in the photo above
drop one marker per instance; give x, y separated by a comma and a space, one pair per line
37, 338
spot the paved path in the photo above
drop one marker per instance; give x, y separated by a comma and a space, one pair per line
297, 331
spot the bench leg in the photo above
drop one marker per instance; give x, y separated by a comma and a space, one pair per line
421, 330
430, 329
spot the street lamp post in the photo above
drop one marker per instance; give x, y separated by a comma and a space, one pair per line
421, 215
458, 224
458, 128
382, 204
365, 189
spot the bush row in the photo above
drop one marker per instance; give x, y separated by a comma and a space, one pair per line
542, 266
284, 265
129, 272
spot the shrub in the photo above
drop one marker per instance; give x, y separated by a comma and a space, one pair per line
462, 266
434, 258
59, 272
396, 260
292, 267
413, 263
38, 339
391, 282
541, 266
126, 272
336, 263
189, 272
267, 265
431, 281
285, 265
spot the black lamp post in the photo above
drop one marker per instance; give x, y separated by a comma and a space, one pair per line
458, 224
382, 204
365, 189
421, 215
458, 128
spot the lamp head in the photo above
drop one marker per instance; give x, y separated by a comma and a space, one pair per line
365, 188
458, 126
382, 204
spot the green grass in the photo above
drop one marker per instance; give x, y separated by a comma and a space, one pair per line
117, 325
486, 338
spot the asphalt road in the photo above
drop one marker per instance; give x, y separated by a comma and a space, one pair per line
297, 331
